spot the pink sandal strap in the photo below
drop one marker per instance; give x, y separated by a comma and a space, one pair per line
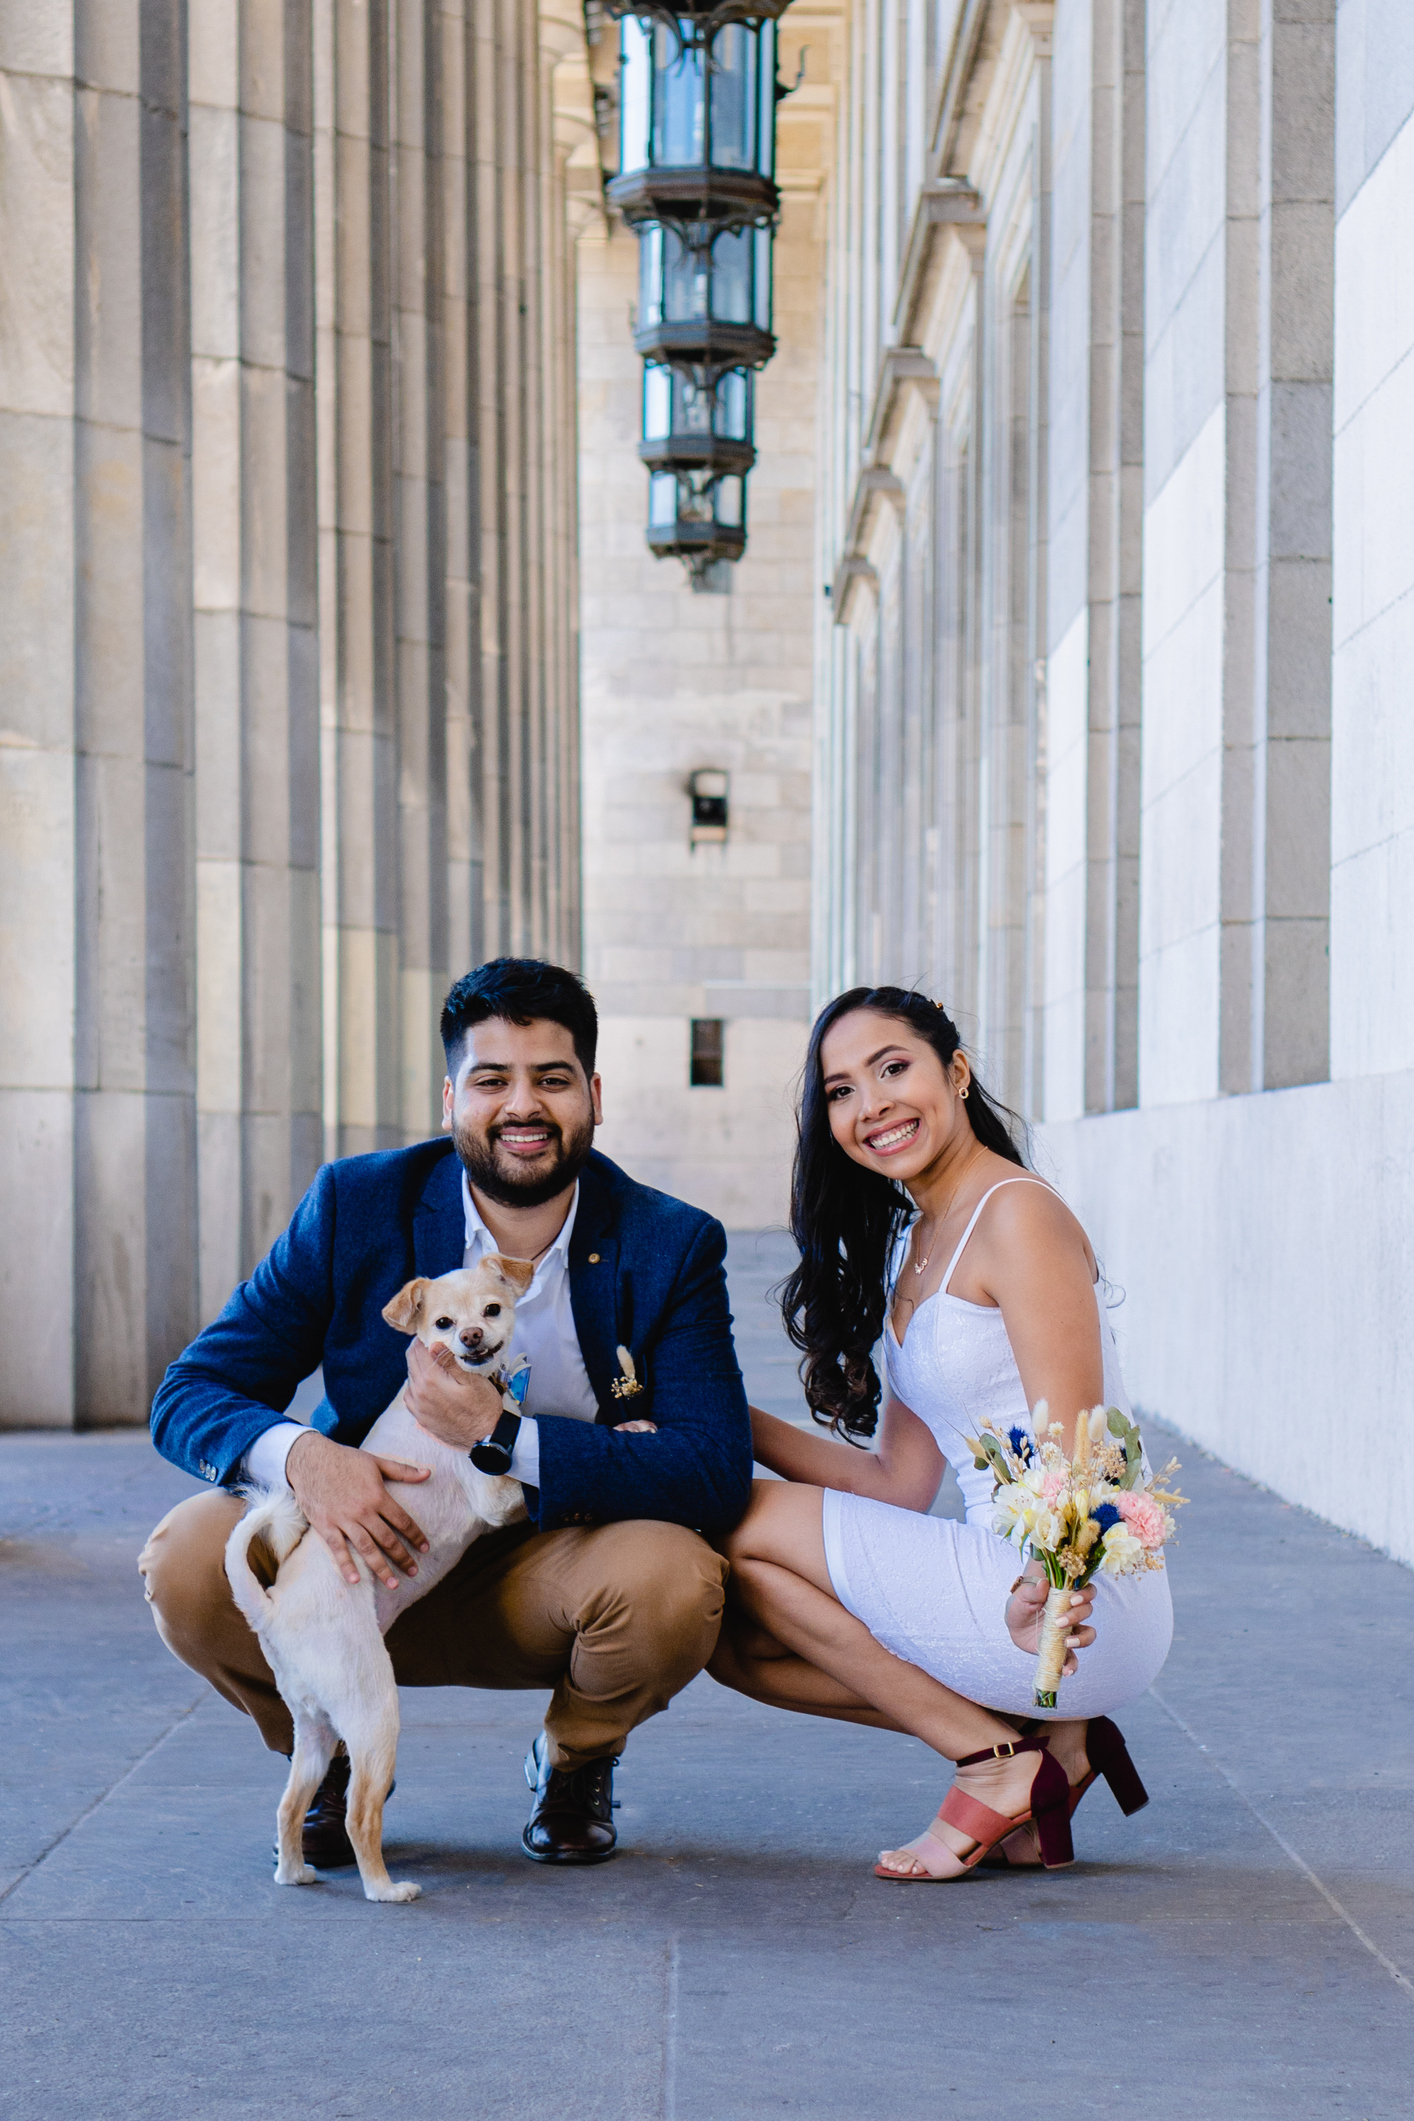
978, 1821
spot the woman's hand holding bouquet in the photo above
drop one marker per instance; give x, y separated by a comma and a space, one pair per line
1092, 1513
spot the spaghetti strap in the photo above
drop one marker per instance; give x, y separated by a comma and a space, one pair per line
972, 1223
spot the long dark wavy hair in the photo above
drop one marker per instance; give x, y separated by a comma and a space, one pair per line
846, 1221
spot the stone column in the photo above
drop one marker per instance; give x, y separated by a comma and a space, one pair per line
1292, 683
1275, 874
462, 588
98, 1272
363, 1048
257, 667
419, 573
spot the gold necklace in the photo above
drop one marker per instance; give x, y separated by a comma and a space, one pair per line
920, 1265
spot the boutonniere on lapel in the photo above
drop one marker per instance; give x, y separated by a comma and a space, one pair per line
625, 1386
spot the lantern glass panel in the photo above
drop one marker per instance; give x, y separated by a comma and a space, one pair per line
635, 92
735, 103
761, 287
730, 498
662, 500
685, 280
733, 255
766, 98
650, 276
679, 102
657, 403
733, 413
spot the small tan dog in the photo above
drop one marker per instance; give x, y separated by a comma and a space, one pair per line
323, 1636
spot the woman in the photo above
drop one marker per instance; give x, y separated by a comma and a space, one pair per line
848, 1600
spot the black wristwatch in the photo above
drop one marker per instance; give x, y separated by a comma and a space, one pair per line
493, 1453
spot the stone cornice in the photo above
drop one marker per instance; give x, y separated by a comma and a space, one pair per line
942, 202
901, 369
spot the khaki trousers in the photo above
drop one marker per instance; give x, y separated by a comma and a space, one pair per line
615, 1618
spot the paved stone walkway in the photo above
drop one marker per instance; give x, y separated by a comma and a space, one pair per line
1243, 1948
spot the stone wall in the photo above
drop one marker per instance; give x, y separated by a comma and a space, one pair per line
288, 659
1166, 839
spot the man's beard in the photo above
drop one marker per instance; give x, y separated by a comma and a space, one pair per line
491, 1176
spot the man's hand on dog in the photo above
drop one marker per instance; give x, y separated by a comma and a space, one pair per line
454, 1405
342, 1494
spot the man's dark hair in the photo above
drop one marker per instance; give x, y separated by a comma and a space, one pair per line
520, 990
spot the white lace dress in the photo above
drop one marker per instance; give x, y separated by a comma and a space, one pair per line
934, 1591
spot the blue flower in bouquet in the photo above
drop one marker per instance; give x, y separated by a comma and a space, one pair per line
1104, 1515
1021, 1444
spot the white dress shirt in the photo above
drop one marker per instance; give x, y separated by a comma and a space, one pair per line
544, 1333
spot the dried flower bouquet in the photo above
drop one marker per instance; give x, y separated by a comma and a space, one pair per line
1094, 1512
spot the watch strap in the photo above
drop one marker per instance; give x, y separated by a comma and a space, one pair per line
493, 1453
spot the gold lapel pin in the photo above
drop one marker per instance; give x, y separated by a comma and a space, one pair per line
627, 1385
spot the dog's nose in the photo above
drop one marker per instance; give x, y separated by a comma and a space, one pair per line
472, 1337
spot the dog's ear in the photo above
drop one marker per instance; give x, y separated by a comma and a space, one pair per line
517, 1274
404, 1310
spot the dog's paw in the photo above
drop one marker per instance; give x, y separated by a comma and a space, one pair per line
299, 1874
406, 1891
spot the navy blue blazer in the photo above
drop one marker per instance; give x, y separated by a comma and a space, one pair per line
646, 1273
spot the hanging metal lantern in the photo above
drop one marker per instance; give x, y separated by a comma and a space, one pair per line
698, 447
705, 304
697, 98
697, 520
697, 124
703, 434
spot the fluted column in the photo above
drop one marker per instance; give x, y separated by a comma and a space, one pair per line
257, 669
97, 1113
355, 398
460, 479
420, 504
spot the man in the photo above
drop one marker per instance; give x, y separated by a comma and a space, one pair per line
609, 1595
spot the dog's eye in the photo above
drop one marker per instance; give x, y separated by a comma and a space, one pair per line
492, 1311
444, 1325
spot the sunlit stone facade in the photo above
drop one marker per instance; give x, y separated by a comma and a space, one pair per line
1113, 752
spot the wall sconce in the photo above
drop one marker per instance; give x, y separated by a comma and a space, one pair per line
708, 788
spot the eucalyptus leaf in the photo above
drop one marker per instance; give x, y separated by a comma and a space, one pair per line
996, 1458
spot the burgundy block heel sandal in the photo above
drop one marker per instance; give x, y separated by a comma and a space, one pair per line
1108, 1755
1047, 1819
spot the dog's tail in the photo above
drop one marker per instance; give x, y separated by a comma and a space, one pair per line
277, 1518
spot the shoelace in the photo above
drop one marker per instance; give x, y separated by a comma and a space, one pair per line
590, 1785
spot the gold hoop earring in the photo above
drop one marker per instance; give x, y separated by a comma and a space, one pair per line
962, 1093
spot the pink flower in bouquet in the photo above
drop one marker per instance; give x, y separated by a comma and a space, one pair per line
1053, 1483
1144, 1518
